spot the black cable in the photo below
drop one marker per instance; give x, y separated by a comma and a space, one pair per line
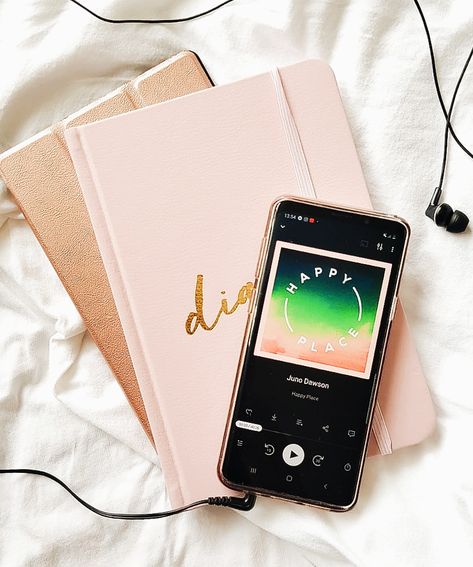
145, 21
446, 134
436, 81
244, 504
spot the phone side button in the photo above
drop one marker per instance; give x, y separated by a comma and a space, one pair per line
251, 302
261, 254
393, 309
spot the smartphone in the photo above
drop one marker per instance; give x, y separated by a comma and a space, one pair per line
324, 297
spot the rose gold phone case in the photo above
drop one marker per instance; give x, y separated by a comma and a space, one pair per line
249, 330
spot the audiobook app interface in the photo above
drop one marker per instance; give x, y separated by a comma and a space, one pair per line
301, 413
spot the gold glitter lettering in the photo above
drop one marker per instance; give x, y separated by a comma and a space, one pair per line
196, 318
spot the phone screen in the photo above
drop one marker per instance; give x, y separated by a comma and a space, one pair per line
311, 362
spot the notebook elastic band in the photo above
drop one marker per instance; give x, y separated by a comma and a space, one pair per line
301, 168
381, 433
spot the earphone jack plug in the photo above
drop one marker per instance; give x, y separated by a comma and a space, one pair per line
244, 504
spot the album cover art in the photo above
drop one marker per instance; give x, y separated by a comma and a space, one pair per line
322, 309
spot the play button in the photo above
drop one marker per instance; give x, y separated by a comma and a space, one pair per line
293, 455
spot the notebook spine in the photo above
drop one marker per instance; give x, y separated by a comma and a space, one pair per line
91, 190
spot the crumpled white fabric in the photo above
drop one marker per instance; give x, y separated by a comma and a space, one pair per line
60, 408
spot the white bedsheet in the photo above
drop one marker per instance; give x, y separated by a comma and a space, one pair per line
60, 408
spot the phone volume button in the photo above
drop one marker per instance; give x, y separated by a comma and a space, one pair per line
260, 257
251, 303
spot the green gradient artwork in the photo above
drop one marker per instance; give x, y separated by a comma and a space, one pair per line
321, 309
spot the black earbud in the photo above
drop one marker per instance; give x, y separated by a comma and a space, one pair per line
444, 215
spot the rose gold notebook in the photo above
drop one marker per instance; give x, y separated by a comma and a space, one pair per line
41, 177
178, 194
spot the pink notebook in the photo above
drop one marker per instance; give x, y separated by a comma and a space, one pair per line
178, 195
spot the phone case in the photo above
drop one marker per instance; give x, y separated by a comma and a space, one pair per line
247, 334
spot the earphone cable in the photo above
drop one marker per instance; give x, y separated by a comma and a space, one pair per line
437, 85
245, 504
450, 111
151, 21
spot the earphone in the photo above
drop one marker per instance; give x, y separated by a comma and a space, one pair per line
444, 215
441, 214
